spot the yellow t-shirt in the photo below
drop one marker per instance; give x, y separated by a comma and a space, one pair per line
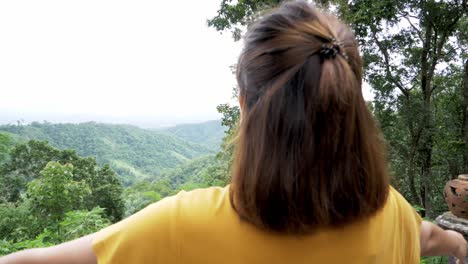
201, 227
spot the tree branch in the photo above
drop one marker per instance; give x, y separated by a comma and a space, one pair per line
439, 44
407, 16
384, 51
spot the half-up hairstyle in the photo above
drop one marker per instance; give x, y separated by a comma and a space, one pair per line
308, 152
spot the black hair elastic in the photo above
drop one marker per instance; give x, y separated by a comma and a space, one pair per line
332, 48
329, 51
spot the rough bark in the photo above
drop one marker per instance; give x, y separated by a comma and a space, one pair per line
465, 118
417, 199
425, 149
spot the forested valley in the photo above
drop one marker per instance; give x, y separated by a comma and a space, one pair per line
61, 181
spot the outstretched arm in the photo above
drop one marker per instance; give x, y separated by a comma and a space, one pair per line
436, 242
78, 251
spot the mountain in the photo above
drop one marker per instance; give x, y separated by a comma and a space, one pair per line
134, 153
209, 134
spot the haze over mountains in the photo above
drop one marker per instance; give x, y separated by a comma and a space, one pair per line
162, 121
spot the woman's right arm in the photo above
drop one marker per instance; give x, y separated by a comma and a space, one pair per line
436, 242
78, 251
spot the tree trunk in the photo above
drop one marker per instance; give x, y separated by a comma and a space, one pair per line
465, 118
425, 149
411, 172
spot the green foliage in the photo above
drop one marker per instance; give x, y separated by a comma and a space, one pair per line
44, 202
55, 192
143, 193
17, 223
132, 152
235, 15
434, 260
45, 239
135, 201
6, 143
6, 247
74, 225
416, 75
199, 173
28, 159
231, 116
208, 134
192, 172
80, 223
42, 240
107, 193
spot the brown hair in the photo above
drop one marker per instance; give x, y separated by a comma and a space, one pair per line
308, 152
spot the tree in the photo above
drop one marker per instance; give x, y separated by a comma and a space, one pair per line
465, 114
107, 193
237, 15
55, 193
26, 160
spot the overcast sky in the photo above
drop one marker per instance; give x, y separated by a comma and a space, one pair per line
141, 62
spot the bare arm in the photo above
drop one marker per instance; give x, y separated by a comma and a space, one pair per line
436, 242
78, 251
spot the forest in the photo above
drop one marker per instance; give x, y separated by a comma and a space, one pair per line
415, 60
50, 192
133, 153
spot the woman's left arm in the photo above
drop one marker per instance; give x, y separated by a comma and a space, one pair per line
79, 251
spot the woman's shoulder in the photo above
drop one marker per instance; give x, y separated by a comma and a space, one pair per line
203, 201
396, 199
398, 207
204, 194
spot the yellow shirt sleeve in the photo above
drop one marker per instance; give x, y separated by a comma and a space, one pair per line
409, 222
149, 236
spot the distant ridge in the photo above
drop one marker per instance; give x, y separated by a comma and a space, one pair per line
134, 153
209, 134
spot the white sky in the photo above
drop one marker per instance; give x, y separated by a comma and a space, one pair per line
113, 61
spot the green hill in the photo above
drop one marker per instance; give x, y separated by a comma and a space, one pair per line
209, 134
134, 153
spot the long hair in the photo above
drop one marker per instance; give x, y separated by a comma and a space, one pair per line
308, 152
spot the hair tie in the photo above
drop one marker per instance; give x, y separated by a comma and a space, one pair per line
331, 49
